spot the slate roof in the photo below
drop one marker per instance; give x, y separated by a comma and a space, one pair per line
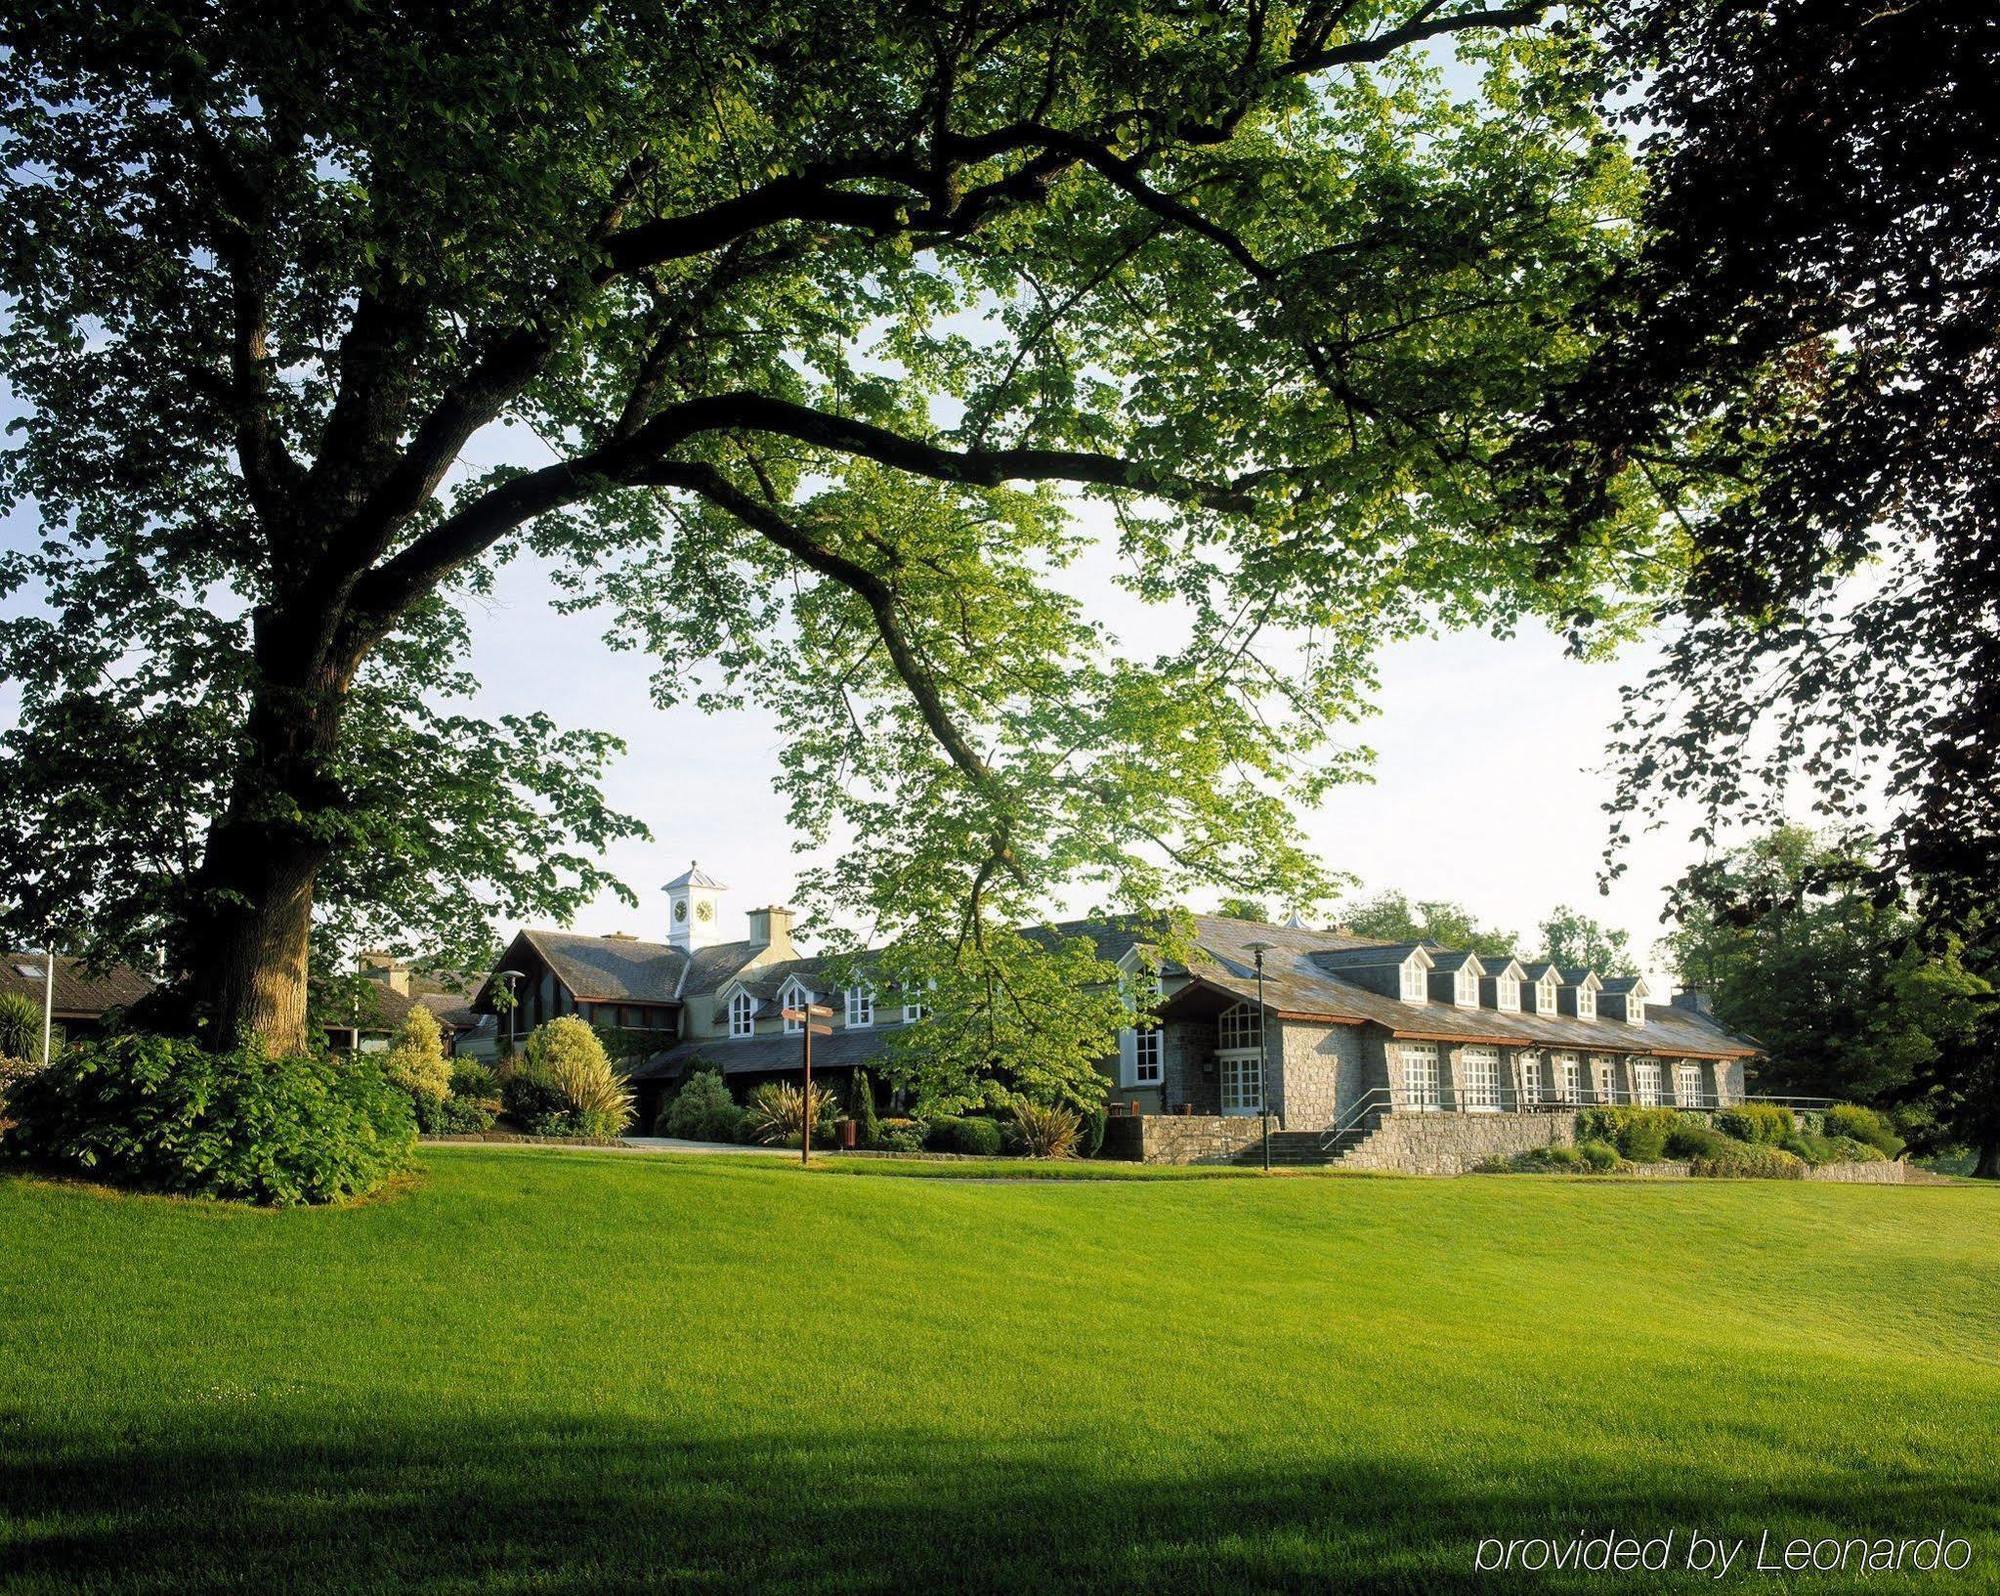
610, 969
762, 1055
1303, 979
81, 993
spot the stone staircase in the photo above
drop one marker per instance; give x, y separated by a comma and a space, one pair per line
1303, 1150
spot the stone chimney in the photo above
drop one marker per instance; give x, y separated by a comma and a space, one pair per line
772, 927
387, 969
1693, 999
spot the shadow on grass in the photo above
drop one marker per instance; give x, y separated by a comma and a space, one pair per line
573, 1505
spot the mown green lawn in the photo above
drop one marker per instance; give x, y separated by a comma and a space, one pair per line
558, 1371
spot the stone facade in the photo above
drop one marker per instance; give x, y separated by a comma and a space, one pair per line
1452, 1144
1181, 1138
1320, 1070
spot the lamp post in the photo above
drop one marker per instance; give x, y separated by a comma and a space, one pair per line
513, 1003
48, 974
1258, 950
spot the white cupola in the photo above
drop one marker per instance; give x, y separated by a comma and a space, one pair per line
694, 909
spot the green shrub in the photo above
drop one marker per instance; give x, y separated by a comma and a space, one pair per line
1046, 1132
536, 1106
861, 1109
973, 1134
1090, 1131
1852, 1152
1639, 1134
900, 1136
453, 1115
1738, 1160
415, 1060
20, 1027
165, 1115
565, 1054
1769, 1123
470, 1078
1863, 1125
777, 1111
1816, 1151
702, 1110
1689, 1138
1600, 1158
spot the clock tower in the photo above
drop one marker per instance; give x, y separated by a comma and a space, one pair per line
694, 908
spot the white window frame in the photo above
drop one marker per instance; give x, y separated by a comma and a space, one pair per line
1416, 982
1646, 1083
1586, 1003
1635, 1008
860, 1006
1240, 1029
913, 1012
1465, 987
1507, 994
1531, 1080
1687, 1085
1149, 1054
1604, 1078
1425, 1056
742, 1015
801, 997
1485, 1098
1568, 1078
1546, 1001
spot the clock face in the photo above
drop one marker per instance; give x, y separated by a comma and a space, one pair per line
681, 909
704, 911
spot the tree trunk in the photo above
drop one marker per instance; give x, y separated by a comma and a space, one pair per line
1988, 1166
244, 950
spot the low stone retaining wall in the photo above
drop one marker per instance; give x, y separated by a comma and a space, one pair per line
1180, 1138
1453, 1144
1891, 1173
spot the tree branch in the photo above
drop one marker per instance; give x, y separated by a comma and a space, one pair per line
1420, 28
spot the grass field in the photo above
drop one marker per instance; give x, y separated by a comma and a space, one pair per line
558, 1371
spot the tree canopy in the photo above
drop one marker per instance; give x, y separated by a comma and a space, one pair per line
792, 336
1800, 369
1392, 916
1796, 949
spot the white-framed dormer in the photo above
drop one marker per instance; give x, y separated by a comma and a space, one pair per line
1414, 982
1542, 989
794, 994
742, 1013
913, 1012
1626, 997
1500, 986
860, 1006
1579, 993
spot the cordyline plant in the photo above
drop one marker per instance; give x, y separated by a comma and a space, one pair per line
791, 338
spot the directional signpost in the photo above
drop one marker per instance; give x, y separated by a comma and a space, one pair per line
808, 1020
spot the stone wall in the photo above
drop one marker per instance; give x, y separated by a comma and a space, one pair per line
1318, 1073
1181, 1138
1451, 1144
1891, 1173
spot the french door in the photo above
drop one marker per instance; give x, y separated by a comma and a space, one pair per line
1480, 1067
1420, 1078
1242, 1085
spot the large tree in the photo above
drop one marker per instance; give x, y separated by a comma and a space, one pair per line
787, 335
1795, 948
1802, 370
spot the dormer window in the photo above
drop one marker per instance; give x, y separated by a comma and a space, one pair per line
1586, 1003
1507, 995
1415, 983
913, 1012
795, 995
860, 1007
1545, 996
1465, 987
1635, 1009
743, 1015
